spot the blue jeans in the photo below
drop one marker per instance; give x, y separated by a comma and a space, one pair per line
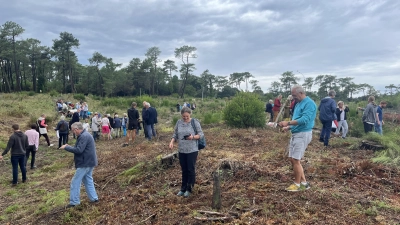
326, 131
85, 114
96, 135
82, 174
124, 130
150, 131
15, 161
378, 128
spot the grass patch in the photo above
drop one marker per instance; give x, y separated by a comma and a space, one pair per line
133, 172
11, 209
56, 166
52, 200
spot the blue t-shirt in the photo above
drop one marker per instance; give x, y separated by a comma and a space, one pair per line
304, 113
379, 111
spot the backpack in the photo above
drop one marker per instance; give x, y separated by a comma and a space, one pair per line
63, 127
202, 141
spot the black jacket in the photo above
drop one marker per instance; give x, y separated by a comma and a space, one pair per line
268, 108
18, 143
75, 118
346, 110
133, 116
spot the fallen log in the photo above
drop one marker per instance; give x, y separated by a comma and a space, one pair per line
370, 145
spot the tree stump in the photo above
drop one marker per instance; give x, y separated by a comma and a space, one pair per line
370, 145
169, 159
216, 201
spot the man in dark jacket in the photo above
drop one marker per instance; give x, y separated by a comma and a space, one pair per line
268, 109
18, 143
133, 123
85, 159
327, 109
143, 121
74, 119
150, 118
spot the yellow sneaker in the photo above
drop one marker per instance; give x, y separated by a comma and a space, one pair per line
293, 187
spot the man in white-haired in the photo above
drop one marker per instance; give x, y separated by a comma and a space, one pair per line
150, 118
301, 128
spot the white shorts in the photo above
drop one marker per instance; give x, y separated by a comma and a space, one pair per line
298, 144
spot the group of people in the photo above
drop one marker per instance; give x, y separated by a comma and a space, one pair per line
185, 104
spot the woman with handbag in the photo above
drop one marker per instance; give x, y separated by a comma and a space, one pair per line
42, 129
188, 149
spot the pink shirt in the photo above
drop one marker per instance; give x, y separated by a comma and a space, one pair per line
33, 137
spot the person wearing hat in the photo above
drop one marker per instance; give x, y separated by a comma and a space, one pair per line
62, 128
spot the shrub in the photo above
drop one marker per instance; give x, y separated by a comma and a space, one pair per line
212, 118
245, 110
53, 93
80, 97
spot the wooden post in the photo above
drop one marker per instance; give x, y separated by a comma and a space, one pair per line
216, 201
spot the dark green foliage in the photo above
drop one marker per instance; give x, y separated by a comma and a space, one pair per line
53, 93
245, 110
212, 118
80, 97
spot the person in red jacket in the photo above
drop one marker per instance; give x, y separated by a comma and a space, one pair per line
277, 107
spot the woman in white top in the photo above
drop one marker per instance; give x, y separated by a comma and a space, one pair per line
105, 127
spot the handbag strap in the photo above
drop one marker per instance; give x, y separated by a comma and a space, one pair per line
194, 126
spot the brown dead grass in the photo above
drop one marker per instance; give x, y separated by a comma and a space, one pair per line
346, 186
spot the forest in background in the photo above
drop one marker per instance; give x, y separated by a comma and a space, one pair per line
27, 65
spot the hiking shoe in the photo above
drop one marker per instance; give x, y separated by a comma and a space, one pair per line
51, 145
293, 187
95, 201
344, 137
305, 186
321, 140
69, 206
186, 194
125, 144
180, 193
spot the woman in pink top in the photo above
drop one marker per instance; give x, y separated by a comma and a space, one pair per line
33, 139
105, 127
42, 128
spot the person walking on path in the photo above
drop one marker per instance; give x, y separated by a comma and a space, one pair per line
95, 126
62, 128
18, 143
33, 140
379, 117
42, 129
327, 109
277, 107
85, 159
341, 115
369, 115
187, 148
301, 128
133, 123
74, 119
117, 126
150, 118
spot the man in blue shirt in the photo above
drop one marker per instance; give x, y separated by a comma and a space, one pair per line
301, 128
327, 109
85, 159
379, 117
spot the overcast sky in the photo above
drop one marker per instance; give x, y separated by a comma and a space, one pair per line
346, 38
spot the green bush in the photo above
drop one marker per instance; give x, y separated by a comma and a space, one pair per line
81, 97
53, 93
245, 110
174, 120
212, 118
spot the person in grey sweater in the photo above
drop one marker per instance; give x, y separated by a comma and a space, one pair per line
18, 143
369, 115
85, 159
187, 148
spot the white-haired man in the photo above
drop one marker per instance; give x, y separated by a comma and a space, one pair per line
301, 128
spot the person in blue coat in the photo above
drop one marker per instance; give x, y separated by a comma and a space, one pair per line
327, 114
150, 118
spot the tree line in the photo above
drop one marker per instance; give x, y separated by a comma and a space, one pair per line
26, 65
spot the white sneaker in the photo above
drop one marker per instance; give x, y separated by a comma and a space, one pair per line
51, 145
